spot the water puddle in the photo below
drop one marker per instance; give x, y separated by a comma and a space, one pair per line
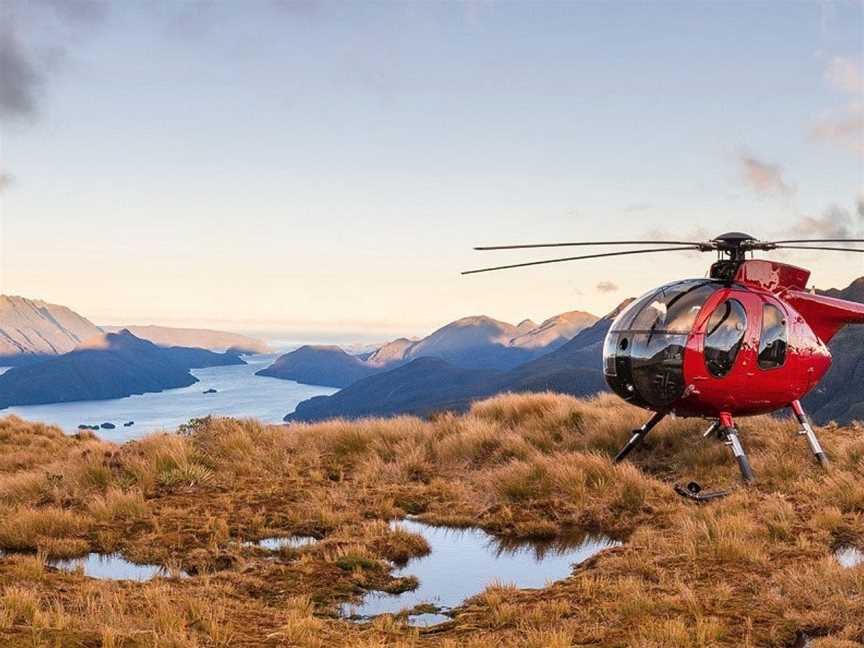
112, 567
277, 543
849, 556
463, 562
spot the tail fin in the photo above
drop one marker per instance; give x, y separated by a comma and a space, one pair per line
825, 315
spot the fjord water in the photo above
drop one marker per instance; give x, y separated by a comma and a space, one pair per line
239, 392
463, 562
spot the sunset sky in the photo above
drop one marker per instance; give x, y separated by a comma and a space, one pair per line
324, 168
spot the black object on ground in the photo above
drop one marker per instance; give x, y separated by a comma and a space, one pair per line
695, 492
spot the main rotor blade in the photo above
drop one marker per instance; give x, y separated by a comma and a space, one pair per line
577, 258
816, 247
837, 240
580, 243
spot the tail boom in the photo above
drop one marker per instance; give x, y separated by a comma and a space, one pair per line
825, 315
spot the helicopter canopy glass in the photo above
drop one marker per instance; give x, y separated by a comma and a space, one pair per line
644, 351
669, 309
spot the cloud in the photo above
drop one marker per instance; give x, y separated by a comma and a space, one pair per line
607, 287
764, 178
834, 222
33, 41
844, 127
19, 77
845, 75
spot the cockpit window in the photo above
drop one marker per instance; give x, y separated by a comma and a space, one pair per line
772, 346
724, 336
670, 309
644, 351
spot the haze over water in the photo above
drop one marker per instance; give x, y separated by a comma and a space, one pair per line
240, 393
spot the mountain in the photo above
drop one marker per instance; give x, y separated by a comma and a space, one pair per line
31, 328
168, 336
112, 365
526, 325
427, 385
319, 365
391, 353
574, 368
840, 395
422, 387
476, 342
554, 332
853, 292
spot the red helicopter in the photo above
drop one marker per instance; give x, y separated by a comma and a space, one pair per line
749, 339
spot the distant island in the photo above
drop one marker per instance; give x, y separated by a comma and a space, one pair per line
112, 365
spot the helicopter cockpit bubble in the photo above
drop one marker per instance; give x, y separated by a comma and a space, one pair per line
643, 356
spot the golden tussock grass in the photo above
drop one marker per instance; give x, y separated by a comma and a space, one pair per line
750, 570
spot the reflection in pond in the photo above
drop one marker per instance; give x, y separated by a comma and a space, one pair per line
111, 567
463, 562
277, 543
849, 556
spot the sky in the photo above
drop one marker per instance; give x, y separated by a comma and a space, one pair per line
323, 169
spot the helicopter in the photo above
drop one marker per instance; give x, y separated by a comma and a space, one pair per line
745, 340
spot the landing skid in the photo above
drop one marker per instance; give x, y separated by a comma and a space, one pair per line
638, 435
726, 430
807, 431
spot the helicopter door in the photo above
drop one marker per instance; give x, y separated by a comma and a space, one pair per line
724, 336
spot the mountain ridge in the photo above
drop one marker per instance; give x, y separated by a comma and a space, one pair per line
211, 339
115, 366
472, 342
32, 327
572, 368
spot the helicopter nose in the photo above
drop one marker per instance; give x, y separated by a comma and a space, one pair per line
646, 369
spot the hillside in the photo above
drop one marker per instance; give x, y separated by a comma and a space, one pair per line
752, 570
113, 365
423, 388
840, 394
168, 336
30, 327
319, 365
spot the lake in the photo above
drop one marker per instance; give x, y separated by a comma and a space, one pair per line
239, 393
